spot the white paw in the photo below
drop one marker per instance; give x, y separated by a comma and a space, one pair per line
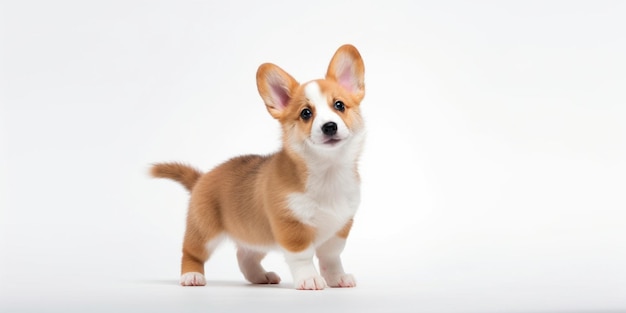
192, 279
311, 283
272, 278
265, 278
343, 281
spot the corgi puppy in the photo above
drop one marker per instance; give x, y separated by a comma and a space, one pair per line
300, 200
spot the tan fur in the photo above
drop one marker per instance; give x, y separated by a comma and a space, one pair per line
179, 172
345, 231
246, 197
222, 201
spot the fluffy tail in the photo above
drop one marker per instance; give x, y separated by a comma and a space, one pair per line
184, 174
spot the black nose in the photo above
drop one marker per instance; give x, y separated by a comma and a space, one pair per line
329, 129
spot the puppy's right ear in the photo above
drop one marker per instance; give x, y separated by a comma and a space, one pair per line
276, 87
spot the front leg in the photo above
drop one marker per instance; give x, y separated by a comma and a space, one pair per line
329, 254
303, 270
296, 239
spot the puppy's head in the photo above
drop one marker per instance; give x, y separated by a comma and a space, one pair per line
321, 114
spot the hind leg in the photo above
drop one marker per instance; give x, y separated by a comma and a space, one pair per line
250, 265
197, 248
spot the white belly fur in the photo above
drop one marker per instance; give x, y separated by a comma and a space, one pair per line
329, 202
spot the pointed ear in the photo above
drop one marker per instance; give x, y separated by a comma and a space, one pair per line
346, 68
276, 87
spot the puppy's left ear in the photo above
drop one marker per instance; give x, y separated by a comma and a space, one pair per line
346, 68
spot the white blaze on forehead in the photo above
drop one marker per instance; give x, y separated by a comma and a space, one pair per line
323, 113
314, 94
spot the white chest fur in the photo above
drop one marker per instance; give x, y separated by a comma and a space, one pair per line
330, 200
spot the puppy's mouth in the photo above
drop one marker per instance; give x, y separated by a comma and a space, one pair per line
328, 141
332, 141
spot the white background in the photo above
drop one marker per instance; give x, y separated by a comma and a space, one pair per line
494, 175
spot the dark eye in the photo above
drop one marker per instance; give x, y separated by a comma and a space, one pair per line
306, 114
339, 106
